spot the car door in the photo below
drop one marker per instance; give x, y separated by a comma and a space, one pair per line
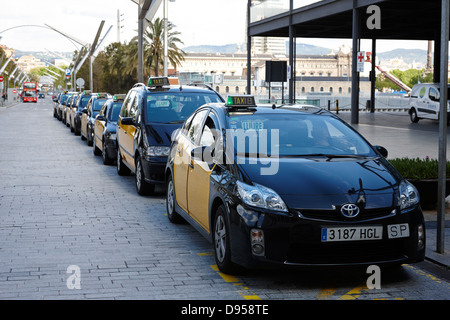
85, 117
99, 126
433, 102
185, 143
199, 172
123, 135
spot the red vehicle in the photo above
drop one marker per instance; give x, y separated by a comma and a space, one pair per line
29, 93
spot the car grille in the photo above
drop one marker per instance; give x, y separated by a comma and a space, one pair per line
335, 215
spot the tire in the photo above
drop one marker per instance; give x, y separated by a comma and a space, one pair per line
122, 169
173, 216
413, 116
221, 242
96, 150
142, 187
89, 137
106, 159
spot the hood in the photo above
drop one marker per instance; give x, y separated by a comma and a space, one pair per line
160, 133
321, 184
111, 126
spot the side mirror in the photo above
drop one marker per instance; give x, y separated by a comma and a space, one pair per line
127, 121
203, 154
382, 150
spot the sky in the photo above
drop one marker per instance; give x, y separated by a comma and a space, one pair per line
201, 22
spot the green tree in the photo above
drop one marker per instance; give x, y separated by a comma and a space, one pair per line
154, 46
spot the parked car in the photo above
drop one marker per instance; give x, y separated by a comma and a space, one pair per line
88, 115
81, 103
424, 102
105, 129
147, 119
67, 110
290, 186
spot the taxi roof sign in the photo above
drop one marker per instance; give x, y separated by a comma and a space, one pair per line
158, 81
118, 97
241, 101
102, 95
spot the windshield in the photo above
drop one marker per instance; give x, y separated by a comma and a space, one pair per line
30, 93
64, 98
29, 85
294, 135
114, 111
98, 104
83, 102
176, 106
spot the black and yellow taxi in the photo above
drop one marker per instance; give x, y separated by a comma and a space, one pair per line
105, 129
67, 110
290, 185
149, 115
81, 103
88, 115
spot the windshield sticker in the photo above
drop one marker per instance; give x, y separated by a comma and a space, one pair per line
252, 124
162, 104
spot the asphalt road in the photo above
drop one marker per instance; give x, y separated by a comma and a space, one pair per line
71, 228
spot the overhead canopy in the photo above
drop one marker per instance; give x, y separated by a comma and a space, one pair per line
400, 19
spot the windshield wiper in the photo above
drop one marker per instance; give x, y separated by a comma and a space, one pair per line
328, 156
175, 121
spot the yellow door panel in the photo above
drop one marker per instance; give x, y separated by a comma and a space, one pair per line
99, 127
83, 124
198, 192
180, 171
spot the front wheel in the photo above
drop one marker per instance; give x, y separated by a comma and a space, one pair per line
142, 187
173, 216
221, 242
106, 159
122, 169
413, 116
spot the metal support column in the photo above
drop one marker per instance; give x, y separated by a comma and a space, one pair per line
141, 50
440, 240
249, 50
373, 76
291, 56
356, 25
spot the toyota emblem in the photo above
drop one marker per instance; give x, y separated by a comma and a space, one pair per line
349, 210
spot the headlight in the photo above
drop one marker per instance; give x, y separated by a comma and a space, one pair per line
110, 135
409, 195
158, 151
260, 196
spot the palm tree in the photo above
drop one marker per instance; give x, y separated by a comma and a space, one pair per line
154, 46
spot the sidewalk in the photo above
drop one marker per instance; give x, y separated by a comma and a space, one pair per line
395, 131
431, 234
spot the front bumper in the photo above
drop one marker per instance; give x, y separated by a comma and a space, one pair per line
296, 240
111, 148
154, 169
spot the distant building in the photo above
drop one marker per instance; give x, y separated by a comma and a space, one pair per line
8, 51
26, 63
268, 45
317, 74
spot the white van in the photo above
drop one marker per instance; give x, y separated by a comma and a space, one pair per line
424, 102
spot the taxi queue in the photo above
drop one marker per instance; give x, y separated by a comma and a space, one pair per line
289, 185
